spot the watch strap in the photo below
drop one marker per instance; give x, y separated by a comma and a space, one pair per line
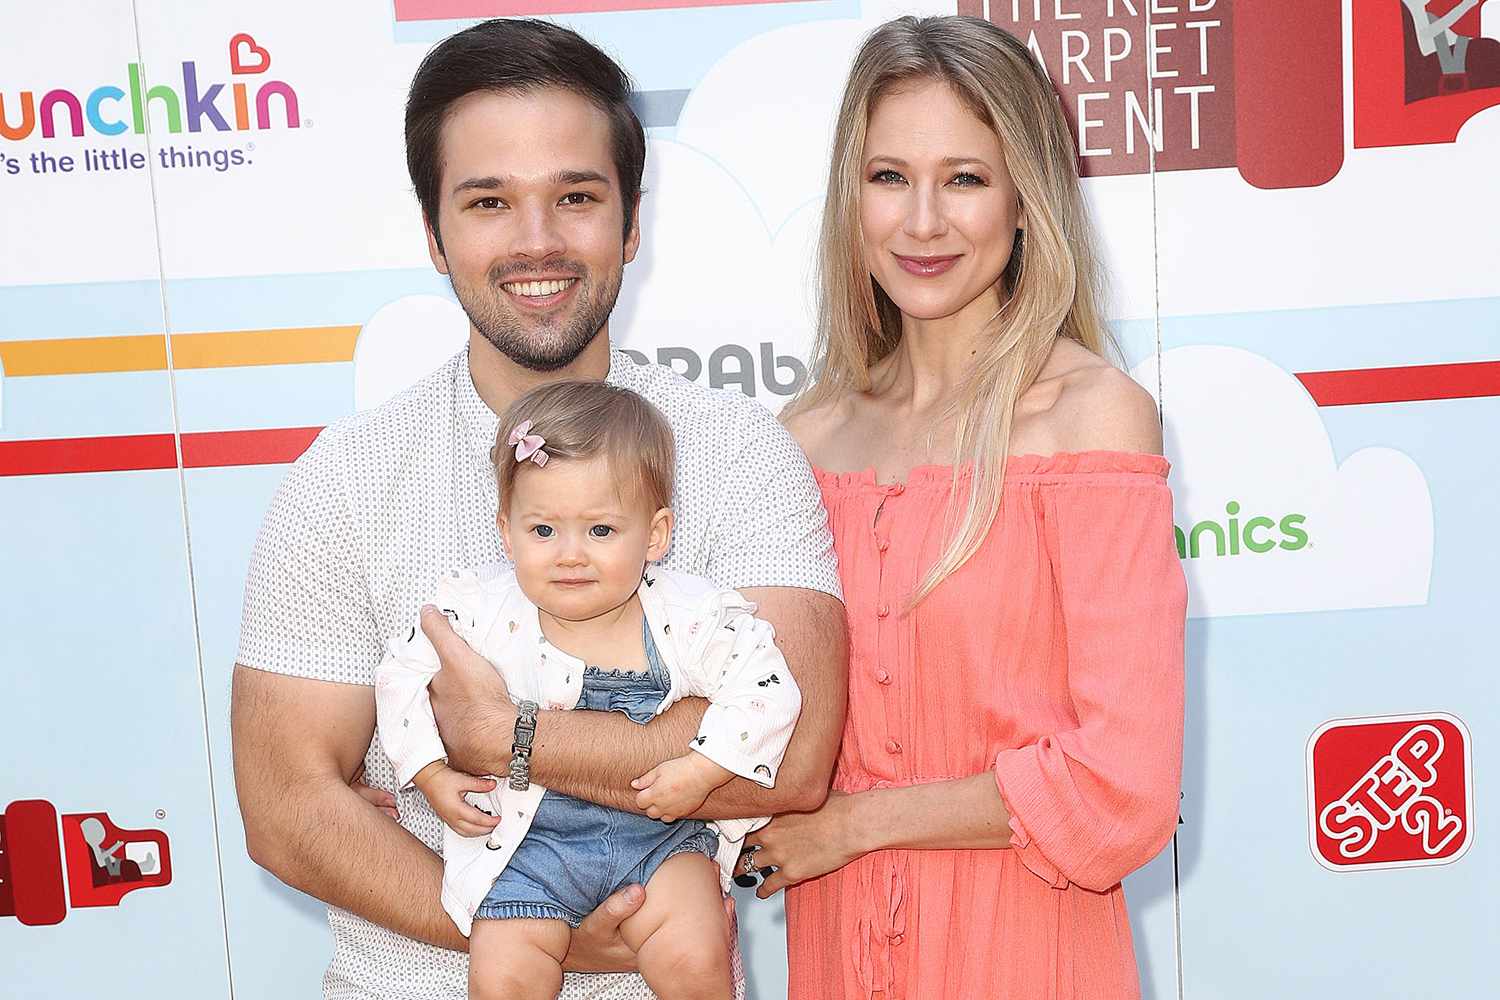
520, 750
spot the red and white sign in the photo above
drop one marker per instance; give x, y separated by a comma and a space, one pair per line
1392, 791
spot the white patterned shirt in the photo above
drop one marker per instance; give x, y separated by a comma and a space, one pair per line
385, 502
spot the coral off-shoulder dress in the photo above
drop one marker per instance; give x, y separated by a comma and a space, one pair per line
1054, 660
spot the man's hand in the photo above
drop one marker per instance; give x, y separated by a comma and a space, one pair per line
445, 788
469, 698
596, 946
377, 797
677, 787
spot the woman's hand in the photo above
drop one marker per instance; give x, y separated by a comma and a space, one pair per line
801, 846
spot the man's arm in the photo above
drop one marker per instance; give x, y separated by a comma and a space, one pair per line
297, 742
595, 755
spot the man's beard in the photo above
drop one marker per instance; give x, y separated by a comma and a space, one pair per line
543, 345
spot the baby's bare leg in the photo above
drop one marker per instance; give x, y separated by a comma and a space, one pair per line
517, 959
680, 934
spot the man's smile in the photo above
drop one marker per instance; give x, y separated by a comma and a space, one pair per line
539, 294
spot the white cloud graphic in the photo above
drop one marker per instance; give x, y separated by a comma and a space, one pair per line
402, 342
1356, 534
777, 142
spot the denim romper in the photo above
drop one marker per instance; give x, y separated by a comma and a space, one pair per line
576, 853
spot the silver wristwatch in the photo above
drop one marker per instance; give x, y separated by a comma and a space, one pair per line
520, 750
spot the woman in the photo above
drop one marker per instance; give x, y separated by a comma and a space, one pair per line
1003, 524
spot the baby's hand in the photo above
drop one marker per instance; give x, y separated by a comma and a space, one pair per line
445, 788
678, 787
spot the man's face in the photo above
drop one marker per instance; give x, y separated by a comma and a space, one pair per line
531, 218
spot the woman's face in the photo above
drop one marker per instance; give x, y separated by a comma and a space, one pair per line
938, 210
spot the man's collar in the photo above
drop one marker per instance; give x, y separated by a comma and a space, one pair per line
479, 421
483, 423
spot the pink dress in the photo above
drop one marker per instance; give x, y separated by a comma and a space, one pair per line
1054, 660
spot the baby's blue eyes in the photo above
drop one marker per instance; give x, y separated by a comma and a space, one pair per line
598, 531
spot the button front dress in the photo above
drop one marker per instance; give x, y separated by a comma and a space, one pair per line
1054, 660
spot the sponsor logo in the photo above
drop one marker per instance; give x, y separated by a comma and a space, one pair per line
248, 100
1236, 534
1195, 84
1192, 84
1390, 792
733, 365
102, 862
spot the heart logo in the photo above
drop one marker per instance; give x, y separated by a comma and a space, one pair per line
238, 64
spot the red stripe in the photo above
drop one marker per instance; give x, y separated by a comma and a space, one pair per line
133, 452
1404, 384
91, 454
216, 449
222, 449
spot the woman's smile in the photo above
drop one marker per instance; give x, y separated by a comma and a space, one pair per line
927, 267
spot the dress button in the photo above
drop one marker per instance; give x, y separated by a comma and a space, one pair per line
883, 544
898, 939
891, 746
897, 489
881, 677
883, 610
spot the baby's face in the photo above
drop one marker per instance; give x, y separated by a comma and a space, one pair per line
579, 547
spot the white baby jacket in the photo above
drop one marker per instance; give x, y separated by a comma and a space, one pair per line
709, 640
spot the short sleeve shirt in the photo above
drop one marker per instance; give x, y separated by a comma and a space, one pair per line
386, 501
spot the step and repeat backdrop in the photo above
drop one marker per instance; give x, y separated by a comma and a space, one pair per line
211, 250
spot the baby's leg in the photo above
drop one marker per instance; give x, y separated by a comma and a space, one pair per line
680, 933
518, 959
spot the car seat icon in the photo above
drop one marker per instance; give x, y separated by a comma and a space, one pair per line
103, 862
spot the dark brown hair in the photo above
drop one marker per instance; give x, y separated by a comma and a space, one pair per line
506, 56
582, 420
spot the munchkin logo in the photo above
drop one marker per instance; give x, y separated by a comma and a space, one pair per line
111, 110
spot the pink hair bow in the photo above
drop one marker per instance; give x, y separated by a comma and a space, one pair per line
528, 445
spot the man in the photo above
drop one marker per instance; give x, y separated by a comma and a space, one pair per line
527, 162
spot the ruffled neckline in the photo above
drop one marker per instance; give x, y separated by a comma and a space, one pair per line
1058, 464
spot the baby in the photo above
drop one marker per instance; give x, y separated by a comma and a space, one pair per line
584, 621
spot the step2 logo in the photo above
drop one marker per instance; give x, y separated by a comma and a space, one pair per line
102, 862
1390, 792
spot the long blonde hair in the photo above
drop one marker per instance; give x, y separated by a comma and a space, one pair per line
1049, 287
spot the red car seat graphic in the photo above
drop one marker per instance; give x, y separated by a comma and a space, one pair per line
1289, 92
1421, 70
103, 862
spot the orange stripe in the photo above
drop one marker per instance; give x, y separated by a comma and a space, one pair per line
296, 346
76, 356
148, 352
